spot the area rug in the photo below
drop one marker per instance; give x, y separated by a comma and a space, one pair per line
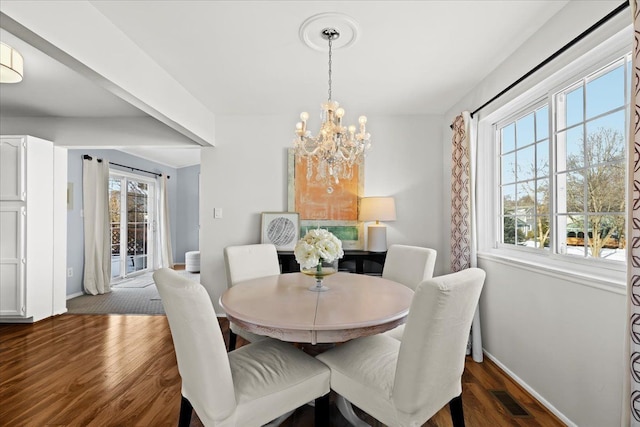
124, 300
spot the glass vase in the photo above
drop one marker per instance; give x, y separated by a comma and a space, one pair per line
320, 271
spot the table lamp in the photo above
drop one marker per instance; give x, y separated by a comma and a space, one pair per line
377, 209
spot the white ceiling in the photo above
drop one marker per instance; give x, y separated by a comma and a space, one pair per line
246, 57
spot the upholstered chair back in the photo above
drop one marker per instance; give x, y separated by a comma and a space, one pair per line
245, 262
201, 353
409, 265
432, 352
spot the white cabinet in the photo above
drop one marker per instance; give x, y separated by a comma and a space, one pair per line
32, 229
11, 260
12, 185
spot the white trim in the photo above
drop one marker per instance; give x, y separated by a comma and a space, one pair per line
77, 294
531, 391
558, 271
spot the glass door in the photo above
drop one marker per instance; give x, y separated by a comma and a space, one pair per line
132, 217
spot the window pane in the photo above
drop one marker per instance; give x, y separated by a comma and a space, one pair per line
542, 123
543, 215
574, 111
606, 236
609, 241
524, 131
542, 232
606, 92
542, 197
542, 158
509, 230
575, 192
569, 193
575, 235
606, 139
575, 148
524, 228
508, 138
509, 168
526, 163
525, 198
508, 199
606, 189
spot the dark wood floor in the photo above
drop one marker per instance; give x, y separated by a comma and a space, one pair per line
117, 370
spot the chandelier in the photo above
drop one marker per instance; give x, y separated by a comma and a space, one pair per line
336, 148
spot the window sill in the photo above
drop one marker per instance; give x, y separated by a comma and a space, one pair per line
608, 279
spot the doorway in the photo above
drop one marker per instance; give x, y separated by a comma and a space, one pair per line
132, 201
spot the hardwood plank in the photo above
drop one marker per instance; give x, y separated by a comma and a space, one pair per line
117, 370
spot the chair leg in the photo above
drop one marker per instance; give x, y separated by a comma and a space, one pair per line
457, 415
185, 413
232, 340
321, 411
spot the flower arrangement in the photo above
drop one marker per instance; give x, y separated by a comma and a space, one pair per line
316, 246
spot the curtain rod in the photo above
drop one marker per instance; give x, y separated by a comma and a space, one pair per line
88, 157
555, 54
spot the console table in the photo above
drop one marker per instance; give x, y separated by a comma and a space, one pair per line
365, 262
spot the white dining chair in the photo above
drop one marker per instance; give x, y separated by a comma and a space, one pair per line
245, 262
404, 383
250, 386
409, 265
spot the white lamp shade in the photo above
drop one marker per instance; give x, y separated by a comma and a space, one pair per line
11, 64
377, 209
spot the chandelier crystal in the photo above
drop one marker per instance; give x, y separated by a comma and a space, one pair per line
336, 148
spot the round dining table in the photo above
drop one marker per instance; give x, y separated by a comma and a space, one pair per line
283, 307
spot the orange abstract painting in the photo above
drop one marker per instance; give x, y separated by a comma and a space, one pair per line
312, 200
336, 211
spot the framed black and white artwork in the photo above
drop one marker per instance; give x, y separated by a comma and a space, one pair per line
281, 228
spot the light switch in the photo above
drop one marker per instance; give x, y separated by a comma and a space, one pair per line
217, 213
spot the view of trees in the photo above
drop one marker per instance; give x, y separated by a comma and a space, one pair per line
595, 186
601, 186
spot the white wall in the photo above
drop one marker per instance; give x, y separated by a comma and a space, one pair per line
246, 174
562, 339
187, 212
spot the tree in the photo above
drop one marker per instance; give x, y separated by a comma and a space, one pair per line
599, 183
510, 232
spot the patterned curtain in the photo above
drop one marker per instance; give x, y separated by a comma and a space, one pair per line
631, 414
463, 217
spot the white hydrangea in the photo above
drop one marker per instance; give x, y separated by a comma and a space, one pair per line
316, 246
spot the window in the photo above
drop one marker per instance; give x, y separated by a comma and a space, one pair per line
562, 163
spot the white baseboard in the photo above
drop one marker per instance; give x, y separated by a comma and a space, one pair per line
532, 392
77, 294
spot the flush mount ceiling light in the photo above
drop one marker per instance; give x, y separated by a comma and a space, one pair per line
11, 64
336, 148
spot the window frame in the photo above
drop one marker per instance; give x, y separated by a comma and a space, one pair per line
589, 271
